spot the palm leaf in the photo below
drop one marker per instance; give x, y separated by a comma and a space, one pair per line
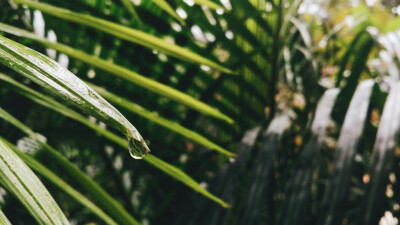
365, 46
104, 199
24, 184
164, 5
154, 161
42, 170
125, 33
335, 194
209, 4
128, 5
168, 124
124, 73
59, 81
382, 158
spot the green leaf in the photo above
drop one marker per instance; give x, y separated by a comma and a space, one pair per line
209, 4
59, 81
125, 33
362, 52
42, 170
104, 199
168, 9
152, 116
158, 163
382, 158
3, 219
183, 177
123, 73
128, 5
24, 184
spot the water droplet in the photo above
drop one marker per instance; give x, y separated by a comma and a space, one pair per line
137, 148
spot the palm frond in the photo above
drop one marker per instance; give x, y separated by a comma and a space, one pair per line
59, 81
23, 183
382, 157
103, 198
154, 161
125, 33
125, 74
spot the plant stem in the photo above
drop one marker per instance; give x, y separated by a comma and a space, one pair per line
275, 56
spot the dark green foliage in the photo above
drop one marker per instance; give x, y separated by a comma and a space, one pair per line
311, 85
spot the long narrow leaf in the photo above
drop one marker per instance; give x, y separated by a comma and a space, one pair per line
128, 5
125, 33
336, 192
209, 4
382, 158
24, 184
181, 176
123, 73
42, 170
59, 81
168, 9
104, 199
158, 163
346, 58
176, 127
364, 47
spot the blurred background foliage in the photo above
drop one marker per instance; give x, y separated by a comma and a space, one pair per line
284, 55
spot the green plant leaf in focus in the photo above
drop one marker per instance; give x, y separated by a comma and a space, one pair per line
176, 127
42, 170
154, 161
59, 81
123, 73
86, 182
23, 183
125, 33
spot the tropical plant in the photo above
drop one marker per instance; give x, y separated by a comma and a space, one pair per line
314, 84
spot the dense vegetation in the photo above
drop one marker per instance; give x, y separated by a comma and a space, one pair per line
255, 112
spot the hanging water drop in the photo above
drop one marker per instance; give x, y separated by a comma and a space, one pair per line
58, 80
137, 146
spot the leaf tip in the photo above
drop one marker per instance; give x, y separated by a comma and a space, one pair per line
226, 205
230, 121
